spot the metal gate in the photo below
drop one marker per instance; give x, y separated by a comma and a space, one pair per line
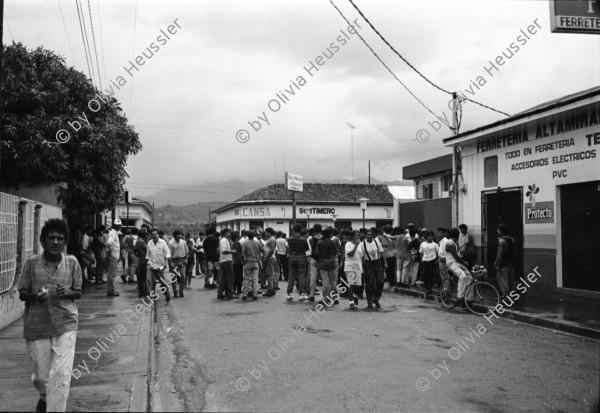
502, 206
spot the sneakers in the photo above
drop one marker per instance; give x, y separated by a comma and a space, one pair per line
352, 306
355, 299
244, 298
303, 297
376, 302
113, 294
181, 293
370, 305
124, 278
311, 298
269, 293
419, 283
289, 297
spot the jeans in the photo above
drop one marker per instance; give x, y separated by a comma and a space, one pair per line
506, 280
410, 271
141, 278
283, 266
272, 274
112, 273
154, 276
238, 278
315, 272
179, 265
444, 274
329, 282
464, 277
250, 278
52, 364
297, 273
373, 280
429, 273
134, 263
226, 281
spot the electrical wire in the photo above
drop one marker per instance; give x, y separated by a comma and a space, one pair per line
382, 62
83, 40
132, 57
411, 66
101, 41
94, 41
66, 32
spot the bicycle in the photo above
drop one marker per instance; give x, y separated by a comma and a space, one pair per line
484, 295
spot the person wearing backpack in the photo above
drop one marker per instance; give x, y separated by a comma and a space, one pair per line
373, 266
505, 260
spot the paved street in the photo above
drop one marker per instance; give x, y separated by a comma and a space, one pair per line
364, 359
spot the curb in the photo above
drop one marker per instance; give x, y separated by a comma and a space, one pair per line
528, 318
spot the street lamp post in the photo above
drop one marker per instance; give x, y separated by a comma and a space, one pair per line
363, 206
334, 216
307, 221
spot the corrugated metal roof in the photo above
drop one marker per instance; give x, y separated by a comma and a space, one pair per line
322, 193
553, 104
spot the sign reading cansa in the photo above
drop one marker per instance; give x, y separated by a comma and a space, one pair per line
541, 213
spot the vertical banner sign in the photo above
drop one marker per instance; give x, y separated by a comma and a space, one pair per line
581, 16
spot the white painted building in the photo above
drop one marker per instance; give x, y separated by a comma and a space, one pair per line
538, 172
327, 204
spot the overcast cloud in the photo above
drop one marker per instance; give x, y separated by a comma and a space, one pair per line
230, 58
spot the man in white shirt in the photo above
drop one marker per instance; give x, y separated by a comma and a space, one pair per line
282, 259
179, 253
443, 233
225, 291
158, 256
114, 254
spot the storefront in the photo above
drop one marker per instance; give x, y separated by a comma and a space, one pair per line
539, 173
327, 204
140, 212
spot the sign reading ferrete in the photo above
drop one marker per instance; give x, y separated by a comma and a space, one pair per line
293, 182
582, 16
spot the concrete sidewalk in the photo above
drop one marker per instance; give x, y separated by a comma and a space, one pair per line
579, 316
117, 381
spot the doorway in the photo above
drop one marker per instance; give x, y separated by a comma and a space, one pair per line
504, 205
580, 225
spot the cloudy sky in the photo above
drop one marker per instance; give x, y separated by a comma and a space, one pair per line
230, 60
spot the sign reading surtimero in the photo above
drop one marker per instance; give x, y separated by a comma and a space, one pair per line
581, 16
293, 182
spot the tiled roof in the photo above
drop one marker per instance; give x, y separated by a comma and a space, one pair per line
322, 193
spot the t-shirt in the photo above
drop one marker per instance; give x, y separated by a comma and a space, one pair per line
462, 241
401, 245
442, 252
157, 254
224, 246
55, 316
211, 248
353, 263
373, 250
327, 250
114, 246
297, 247
251, 250
428, 250
281, 246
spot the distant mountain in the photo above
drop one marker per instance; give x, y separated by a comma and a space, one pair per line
229, 191
188, 214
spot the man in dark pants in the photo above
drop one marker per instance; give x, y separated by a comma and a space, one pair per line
373, 264
140, 253
505, 261
211, 252
225, 291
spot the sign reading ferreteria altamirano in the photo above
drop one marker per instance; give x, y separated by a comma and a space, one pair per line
575, 16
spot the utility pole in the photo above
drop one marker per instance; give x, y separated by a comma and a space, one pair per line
456, 160
351, 147
369, 173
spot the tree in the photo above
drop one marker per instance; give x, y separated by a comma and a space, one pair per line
41, 96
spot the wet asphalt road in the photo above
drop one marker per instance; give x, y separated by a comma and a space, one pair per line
408, 356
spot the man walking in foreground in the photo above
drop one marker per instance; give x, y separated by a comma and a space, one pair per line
158, 257
114, 255
49, 286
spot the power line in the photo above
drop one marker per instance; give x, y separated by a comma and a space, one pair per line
389, 70
411, 66
132, 56
94, 41
83, 40
101, 41
66, 32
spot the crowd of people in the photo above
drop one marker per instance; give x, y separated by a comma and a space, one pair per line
348, 263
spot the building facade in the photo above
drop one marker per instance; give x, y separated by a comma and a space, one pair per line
140, 212
539, 173
327, 204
